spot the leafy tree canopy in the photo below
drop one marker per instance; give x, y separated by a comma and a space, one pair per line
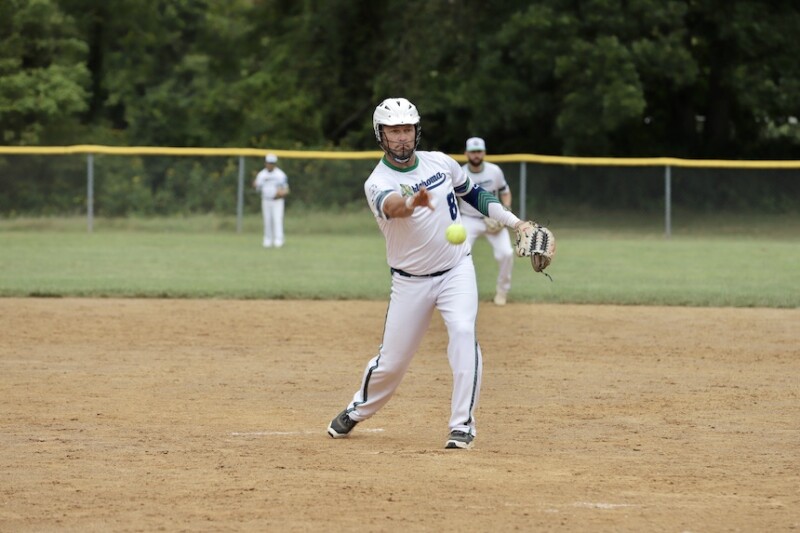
595, 77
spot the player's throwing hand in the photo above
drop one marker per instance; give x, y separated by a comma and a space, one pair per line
421, 199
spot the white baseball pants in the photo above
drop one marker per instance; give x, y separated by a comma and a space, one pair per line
272, 210
411, 305
501, 249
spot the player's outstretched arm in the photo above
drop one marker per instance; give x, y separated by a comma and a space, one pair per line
488, 205
396, 206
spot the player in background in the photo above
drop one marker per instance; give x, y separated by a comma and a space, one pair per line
414, 198
490, 177
273, 185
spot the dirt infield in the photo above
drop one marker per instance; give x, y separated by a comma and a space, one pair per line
210, 415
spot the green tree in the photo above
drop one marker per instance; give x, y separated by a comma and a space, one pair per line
750, 74
43, 75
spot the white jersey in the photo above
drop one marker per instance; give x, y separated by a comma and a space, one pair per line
268, 182
491, 178
417, 244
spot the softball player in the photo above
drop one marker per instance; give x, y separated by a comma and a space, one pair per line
414, 198
490, 177
273, 185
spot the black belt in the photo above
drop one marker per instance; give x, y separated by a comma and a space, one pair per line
407, 275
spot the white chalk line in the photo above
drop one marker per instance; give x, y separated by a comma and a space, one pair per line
591, 505
289, 433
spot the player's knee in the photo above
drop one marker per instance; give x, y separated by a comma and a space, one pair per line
461, 329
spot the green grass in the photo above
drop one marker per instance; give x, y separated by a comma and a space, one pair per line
619, 259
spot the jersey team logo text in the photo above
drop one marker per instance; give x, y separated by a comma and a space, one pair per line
430, 183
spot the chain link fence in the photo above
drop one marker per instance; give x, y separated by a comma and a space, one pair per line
128, 181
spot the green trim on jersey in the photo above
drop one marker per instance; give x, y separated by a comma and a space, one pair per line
398, 169
480, 199
484, 199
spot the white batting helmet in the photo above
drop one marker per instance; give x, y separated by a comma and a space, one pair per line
395, 112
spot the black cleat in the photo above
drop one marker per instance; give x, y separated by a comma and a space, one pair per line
459, 439
341, 426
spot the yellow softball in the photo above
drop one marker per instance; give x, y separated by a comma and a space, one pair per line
456, 234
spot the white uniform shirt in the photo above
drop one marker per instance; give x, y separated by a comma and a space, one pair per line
490, 178
269, 182
417, 244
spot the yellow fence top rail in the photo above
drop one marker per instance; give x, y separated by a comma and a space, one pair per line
300, 154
